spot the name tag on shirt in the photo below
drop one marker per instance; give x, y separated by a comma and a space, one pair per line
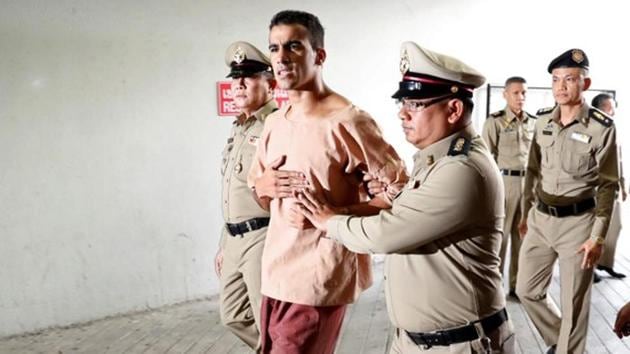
583, 138
547, 132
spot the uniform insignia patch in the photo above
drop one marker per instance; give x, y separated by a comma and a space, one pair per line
600, 117
459, 146
497, 114
430, 160
544, 110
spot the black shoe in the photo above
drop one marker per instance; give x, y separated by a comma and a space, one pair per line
513, 295
611, 272
596, 278
551, 350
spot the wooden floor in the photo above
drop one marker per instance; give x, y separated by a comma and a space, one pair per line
194, 327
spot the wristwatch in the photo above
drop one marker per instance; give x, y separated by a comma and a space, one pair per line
598, 240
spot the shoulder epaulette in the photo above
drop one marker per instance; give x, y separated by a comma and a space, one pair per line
497, 114
600, 116
529, 115
545, 110
459, 146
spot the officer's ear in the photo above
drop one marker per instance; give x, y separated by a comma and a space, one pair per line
587, 83
320, 56
455, 110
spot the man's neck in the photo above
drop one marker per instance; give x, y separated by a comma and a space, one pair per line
568, 112
308, 98
517, 113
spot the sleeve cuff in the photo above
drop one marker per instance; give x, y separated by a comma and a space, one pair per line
333, 225
599, 229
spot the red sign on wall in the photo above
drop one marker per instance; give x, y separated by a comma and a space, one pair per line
225, 102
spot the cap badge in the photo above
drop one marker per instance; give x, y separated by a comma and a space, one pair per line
577, 56
454, 89
404, 62
239, 55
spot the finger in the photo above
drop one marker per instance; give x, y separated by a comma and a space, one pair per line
581, 249
307, 213
585, 261
298, 180
306, 203
286, 174
312, 198
278, 162
368, 177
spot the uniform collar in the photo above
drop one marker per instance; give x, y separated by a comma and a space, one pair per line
261, 113
510, 116
439, 149
582, 116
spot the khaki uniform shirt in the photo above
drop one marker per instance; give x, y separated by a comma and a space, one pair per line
238, 203
301, 266
441, 236
509, 138
575, 162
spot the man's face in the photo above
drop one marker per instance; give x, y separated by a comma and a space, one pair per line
568, 85
514, 95
293, 59
251, 93
608, 106
424, 126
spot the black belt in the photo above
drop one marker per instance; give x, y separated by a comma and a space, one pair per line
566, 210
518, 173
246, 226
460, 334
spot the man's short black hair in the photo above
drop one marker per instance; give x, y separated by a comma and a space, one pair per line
515, 79
598, 100
309, 21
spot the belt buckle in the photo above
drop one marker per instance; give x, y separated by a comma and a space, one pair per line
249, 225
436, 338
553, 211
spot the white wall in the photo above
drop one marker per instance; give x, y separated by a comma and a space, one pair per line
109, 144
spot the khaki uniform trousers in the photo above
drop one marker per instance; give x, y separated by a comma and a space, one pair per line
240, 298
502, 341
549, 239
513, 194
614, 230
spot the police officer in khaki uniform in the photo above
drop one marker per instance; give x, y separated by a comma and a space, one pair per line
573, 166
242, 239
508, 134
443, 233
606, 103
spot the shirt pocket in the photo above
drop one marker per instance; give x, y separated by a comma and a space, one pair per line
577, 157
508, 143
244, 161
546, 144
225, 156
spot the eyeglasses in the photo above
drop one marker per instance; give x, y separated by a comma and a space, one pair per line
417, 106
